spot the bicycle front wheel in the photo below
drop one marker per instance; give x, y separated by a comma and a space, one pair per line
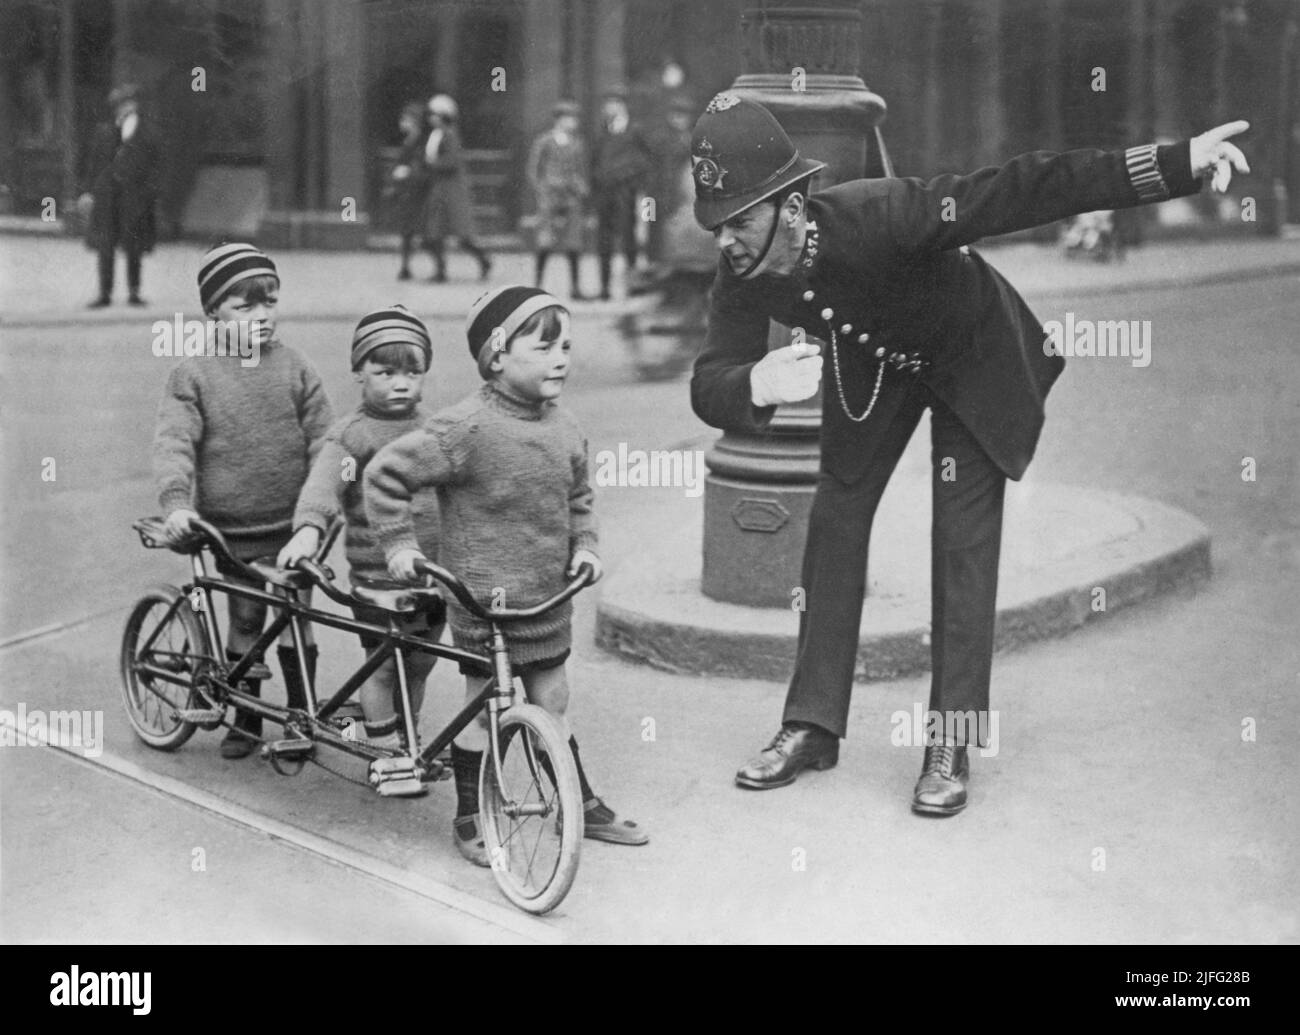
163, 647
531, 812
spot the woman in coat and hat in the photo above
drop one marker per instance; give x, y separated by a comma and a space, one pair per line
448, 209
408, 183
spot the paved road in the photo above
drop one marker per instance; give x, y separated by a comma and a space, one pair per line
110, 860
1125, 737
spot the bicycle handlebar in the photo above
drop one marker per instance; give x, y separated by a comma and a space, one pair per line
323, 578
585, 576
217, 543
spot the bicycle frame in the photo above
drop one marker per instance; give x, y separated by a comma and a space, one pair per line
290, 612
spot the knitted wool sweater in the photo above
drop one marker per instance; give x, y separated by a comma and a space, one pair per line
235, 442
515, 501
334, 486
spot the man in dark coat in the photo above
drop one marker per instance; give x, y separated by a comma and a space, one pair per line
120, 182
621, 159
880, 270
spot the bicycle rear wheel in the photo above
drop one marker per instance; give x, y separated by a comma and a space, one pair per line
163, 648
531, 815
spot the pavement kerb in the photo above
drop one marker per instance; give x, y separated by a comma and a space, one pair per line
617, 308
650, 612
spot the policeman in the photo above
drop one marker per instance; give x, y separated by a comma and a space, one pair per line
881, 271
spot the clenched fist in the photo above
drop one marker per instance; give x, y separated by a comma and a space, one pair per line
786, 375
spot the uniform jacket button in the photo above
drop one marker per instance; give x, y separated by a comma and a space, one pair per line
880, 353
808, 296
827, 313
846, 328
862, 338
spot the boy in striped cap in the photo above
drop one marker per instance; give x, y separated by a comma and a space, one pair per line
233, 444
390, 356
510, 468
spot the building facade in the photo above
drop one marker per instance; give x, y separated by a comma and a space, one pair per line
278, 116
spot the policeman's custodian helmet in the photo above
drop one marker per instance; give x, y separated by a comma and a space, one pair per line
739, 156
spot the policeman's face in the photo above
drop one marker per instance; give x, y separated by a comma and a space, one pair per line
742, 237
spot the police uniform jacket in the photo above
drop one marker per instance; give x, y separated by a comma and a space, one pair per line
893, 266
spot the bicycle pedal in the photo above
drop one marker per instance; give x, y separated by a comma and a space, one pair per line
201, 715
399, 771
292, 748
405, 787
391, 768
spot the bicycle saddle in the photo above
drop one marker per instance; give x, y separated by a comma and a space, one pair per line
397, 601
286, 578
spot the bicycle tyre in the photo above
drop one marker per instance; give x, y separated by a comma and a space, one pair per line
524, 731
187, 645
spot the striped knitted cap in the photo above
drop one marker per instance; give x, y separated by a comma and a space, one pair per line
226, 265
497, 315
391, 325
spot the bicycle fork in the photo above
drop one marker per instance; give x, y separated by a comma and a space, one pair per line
499, 702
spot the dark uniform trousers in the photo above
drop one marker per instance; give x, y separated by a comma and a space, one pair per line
965, 541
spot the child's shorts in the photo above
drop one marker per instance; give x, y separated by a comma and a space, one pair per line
247, 550
526, 668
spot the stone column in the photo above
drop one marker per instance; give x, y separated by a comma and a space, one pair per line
990, 118
759, 490
318, 51
67, 102
608, 68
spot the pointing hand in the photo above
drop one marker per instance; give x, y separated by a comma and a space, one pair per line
1211, 152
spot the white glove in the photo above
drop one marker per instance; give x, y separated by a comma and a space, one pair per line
1211, 152
786, 375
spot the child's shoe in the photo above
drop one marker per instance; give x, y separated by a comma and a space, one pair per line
601, 823
242, 739
464, 831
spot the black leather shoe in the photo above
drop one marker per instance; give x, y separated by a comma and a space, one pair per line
242, 740
794, 749
941, 790
100, 303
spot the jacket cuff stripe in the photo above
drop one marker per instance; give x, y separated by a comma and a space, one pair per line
1144, 173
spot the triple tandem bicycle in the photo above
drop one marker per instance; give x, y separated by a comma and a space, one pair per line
176, 679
